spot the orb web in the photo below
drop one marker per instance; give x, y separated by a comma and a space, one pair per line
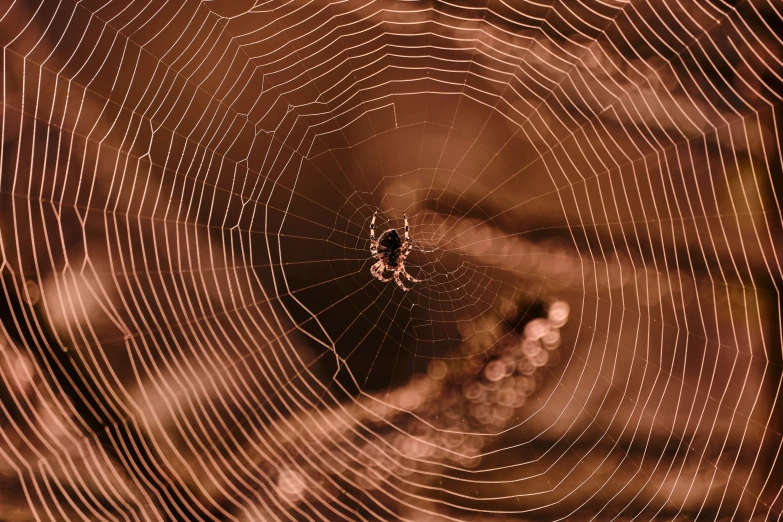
190, 326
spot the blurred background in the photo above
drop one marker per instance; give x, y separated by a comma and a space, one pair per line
189, 328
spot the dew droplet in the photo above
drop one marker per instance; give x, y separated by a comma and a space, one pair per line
536, 329
495, 370
437, 369
558, 313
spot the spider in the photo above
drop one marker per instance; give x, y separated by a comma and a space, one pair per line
390, 251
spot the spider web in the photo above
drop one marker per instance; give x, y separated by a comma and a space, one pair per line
190, 327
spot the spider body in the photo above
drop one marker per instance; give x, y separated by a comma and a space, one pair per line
391, 250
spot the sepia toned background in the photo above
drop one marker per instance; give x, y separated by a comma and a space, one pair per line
190, 330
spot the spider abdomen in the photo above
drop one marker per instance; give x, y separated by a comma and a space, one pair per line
390, 244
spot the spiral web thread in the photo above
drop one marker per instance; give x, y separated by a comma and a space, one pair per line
191, 330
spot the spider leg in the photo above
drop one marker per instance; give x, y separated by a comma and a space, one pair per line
373, 241
407, 228
409, 277
377, 272
398, 280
